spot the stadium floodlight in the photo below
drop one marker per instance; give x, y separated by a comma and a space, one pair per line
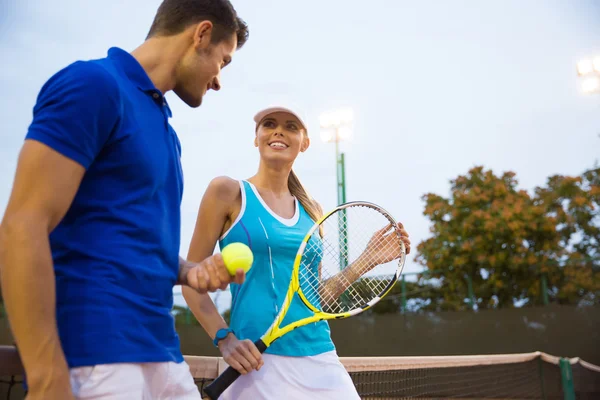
588, 70
591, 84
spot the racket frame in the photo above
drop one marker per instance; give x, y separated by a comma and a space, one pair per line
275, 331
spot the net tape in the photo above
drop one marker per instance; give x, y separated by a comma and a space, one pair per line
533, 375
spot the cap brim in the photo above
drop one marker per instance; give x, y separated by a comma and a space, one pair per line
263, 113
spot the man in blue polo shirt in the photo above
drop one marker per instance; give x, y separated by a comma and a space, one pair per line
89, 242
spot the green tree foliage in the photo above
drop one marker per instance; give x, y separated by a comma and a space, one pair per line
573, 204
504, 239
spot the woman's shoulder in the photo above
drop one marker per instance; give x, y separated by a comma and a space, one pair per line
224, 188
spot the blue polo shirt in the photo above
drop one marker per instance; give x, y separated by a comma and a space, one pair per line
116, 252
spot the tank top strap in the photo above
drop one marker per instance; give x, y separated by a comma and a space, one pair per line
257, 205
250, 195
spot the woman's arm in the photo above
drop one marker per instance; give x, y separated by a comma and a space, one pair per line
219, 206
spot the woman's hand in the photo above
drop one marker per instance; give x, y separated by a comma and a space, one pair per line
385, 247
241, 355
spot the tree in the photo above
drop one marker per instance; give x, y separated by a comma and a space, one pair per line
573, 203
492, 233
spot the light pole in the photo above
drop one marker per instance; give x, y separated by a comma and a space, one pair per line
335, 127
589, 71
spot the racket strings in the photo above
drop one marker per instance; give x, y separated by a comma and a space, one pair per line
352, 263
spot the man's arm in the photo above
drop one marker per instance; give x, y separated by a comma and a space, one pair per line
76, 111
44, 187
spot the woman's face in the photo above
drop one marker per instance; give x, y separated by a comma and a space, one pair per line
280, 137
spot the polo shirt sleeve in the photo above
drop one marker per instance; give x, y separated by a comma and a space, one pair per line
76, 111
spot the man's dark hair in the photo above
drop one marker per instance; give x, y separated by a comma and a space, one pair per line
174, 16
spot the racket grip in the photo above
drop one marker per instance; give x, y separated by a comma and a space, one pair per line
223, 381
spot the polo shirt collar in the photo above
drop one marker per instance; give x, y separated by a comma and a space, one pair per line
132, 68
134, 71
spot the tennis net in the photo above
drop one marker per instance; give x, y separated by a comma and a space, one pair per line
507, 376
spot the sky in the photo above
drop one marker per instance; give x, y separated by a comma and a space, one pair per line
437, 87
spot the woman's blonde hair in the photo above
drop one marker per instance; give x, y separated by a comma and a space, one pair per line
312, 208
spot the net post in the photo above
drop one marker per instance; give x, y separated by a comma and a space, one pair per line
541, 373
567, 379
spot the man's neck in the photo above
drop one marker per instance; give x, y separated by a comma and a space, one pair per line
159, 57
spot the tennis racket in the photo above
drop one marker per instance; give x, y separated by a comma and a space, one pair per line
347, 262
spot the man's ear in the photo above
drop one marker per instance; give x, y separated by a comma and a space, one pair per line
202, 34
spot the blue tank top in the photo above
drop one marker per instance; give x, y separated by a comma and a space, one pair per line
255, 304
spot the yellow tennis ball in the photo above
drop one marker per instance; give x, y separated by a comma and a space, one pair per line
237, 256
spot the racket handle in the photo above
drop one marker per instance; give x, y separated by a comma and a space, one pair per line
223, 381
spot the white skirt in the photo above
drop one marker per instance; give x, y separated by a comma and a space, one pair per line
320, 377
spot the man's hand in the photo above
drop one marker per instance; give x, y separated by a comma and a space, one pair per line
208, 275
54, 390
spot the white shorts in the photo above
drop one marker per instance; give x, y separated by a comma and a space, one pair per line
321, 377
146, 381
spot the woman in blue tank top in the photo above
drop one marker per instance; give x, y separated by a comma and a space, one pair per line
270, 212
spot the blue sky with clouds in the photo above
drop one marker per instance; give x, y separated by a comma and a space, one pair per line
436, 86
